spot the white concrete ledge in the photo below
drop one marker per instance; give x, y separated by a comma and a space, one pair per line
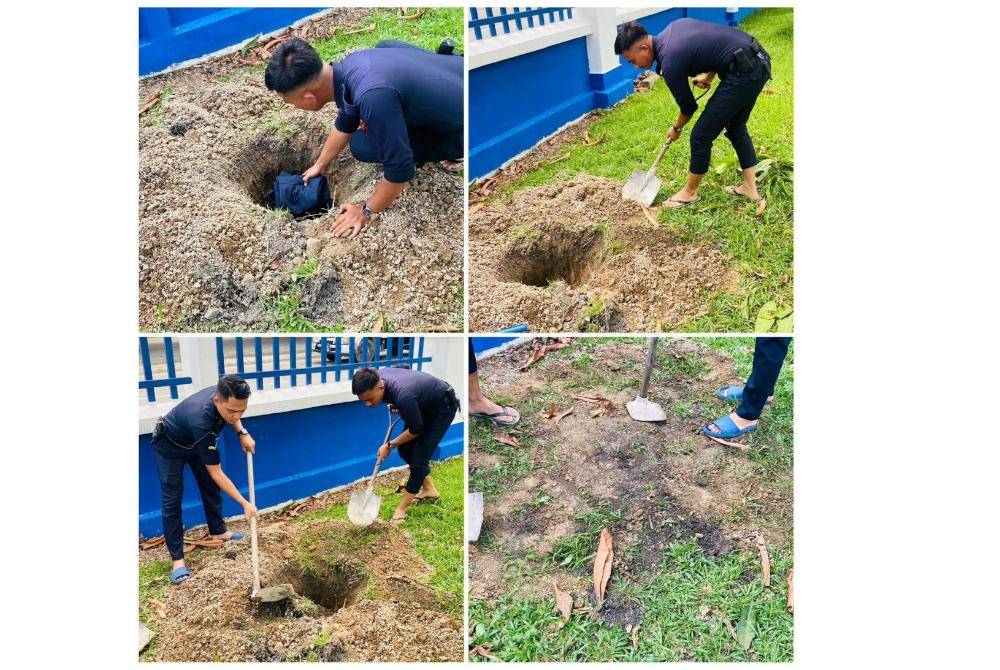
519, 42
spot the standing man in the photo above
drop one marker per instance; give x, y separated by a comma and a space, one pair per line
427, 406
397, 105
702, 50
189, 434
768, 356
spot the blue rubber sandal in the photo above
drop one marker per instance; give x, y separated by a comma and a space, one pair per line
235, 537
727, 429
730, 394
180, 575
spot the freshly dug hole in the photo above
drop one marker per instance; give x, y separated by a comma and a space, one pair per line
558, 255
332, 587
259, 164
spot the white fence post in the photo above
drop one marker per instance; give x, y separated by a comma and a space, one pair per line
200, 364
601, 40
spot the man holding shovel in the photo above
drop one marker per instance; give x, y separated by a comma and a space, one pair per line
189, 434
427, 406
397, 105
703, 50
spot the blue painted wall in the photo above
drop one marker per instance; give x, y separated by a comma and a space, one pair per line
516, 102
171, 35
299, 454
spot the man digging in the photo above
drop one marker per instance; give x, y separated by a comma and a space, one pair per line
427, 406
189, 434
397, 104
702, 50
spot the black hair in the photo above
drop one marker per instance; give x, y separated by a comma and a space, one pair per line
365, 379
293, 64
232, 386
629, 33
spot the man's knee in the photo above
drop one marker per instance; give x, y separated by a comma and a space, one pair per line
362, 149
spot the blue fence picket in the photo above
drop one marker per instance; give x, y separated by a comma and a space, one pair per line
149, 382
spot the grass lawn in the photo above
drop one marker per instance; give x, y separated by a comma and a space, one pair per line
426, 32
760, 246
673, 598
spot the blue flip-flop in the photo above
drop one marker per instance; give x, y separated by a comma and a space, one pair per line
235, 537
727, 429
180, 575
730, 394
493, 417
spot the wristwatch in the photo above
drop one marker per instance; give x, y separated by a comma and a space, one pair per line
366, 211
243, 432
677, 130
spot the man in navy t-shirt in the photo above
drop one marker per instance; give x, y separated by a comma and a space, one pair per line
397, 105
427, 406
702, 50
189, 434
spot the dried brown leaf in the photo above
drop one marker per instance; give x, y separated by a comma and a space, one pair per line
788, 597
153, 542
602, 565
771, 91
482, 650
536, 356
635, 638
548, 413
150, 103
475, 208
765, 560
564, 415
564, 601
727, 622
504, 438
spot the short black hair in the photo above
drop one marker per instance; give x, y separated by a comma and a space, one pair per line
293, 64
232, 386
365, 379
629, 33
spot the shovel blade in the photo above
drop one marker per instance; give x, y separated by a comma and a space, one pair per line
643, 409
475, 517
641, 187
273, 594
363, 508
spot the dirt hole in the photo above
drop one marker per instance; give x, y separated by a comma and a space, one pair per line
331, 586
558, 255
260, 163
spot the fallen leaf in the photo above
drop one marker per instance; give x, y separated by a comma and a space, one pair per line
735, 445
475, 208
771, 91
564, 602
416, 15
548, 413
504, 438
746, 629
788, 597
727, 622
536, 355
150, 103
648, 214
599, 412
161, 609
482, 650
703, 612
602, 565
367, 29
765, 561
564, 415
153, 542
635, 638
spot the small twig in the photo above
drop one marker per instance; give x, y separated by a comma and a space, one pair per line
562, 158
735, 445
416, 15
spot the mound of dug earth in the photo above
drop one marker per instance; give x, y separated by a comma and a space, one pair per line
573, 256
213, 256
362, 596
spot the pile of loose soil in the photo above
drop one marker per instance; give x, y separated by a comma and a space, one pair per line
362, 596
213, 256
667, 482
573, 256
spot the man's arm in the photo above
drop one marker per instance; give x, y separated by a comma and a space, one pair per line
246, 441
335, 143
226, 484
398, 441
685, 101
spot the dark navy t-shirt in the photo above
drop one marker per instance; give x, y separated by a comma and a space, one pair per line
417, 395
195, 423
687, 48
392, 88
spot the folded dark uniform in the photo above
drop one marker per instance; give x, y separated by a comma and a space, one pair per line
300, 199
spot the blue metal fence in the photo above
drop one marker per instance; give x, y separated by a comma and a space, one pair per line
516, 17
150, 380
312, 359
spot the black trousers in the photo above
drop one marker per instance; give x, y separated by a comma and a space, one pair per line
417, 453
729, 109
768, 355
170, 460
473, 364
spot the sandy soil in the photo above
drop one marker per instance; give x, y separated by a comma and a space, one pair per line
669, 482
212, 256
573, 256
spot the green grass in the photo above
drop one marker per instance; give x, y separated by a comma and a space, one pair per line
760, 247
672, 629
437, 530
426, 32
577, 550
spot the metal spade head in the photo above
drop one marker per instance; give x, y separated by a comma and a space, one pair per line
643, 409
363, 507
475, 517
273, 594
641, 187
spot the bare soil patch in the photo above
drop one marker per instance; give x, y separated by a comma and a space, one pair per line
212, 256
657, 483
362, 596
573, 256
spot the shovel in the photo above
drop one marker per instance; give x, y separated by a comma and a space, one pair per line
475, 526
364, 505
642, 187
272, 593
643, 409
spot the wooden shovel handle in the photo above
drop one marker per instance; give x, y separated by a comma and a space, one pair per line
663, 152
254, 559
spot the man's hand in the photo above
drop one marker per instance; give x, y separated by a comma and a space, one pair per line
250, 512
350, 223
384, 451
673, 134
314, 171
248, 444
703, 80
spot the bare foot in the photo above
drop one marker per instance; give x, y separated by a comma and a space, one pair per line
682, 198
225, 536
748, 191
398, 518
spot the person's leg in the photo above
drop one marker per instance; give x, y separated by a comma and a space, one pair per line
768, 356
171, 472
708, 127
739, 137
363, 149
211, 500
428, 145
420, 481
480, 404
